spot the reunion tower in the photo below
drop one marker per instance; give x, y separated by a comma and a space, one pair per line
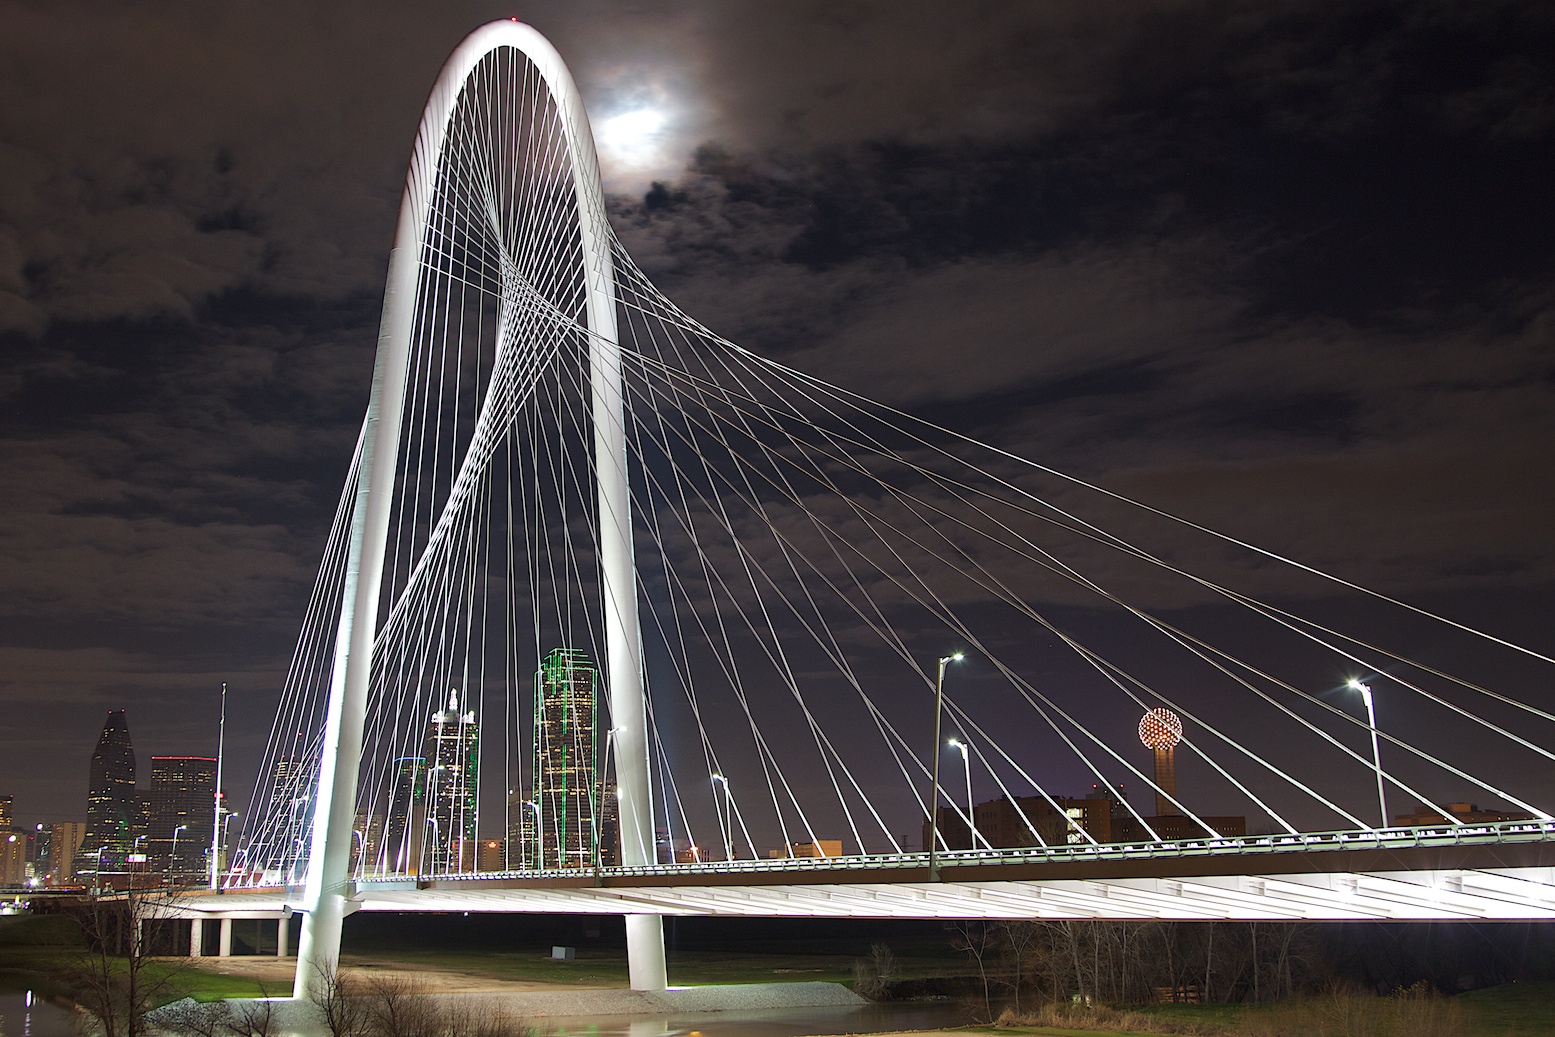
1161, 729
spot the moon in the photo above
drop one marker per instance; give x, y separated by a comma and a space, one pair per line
633, 138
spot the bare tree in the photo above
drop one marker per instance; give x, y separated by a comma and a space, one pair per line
873, 975
399, 1006
979, 941
338, 996
115, 976
252, 1018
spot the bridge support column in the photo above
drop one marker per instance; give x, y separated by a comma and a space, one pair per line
645, 952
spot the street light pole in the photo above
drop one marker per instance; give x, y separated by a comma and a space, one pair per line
172, 857
225, 821
1376, 755
538, 855
216, 833
728, 818
939, 709
966, 765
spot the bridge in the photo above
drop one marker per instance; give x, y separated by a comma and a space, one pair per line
629, 593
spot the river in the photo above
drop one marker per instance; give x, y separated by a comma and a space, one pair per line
26, 1013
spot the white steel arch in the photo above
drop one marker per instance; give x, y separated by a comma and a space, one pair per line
327, 883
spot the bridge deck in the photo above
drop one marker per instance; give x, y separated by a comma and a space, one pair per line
1502, 871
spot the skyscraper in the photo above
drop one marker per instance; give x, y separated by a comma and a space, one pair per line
111, 806
180, 810
452, 779
402, 841
520, 851
64, 845
281, 847
565, 779
610, 828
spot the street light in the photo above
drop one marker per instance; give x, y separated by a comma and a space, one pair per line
966, 765
1376, 755
939, 708
172, 856
226, 819
719, 779
532, 850
437, 836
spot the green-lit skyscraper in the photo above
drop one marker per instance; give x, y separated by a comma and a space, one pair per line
566, 781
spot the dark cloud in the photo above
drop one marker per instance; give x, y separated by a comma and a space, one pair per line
1264, 264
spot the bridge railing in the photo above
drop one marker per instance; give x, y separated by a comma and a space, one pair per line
1305, 842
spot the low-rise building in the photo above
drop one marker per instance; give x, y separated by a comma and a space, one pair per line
1464, 813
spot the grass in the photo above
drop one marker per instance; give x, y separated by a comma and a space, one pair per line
192, 981
1510, 1010
39, 931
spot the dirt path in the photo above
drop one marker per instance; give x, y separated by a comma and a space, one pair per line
277, 973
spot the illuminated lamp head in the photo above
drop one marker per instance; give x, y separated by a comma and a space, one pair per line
1160, 729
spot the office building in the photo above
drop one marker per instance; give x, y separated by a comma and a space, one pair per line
814, 848
279, 846
112, 809
1464, 813
519, 849
1067, 821
367, 842
1177, 826
610, 828
492, 855
452, 782
65, 839
5, 813
566, 780
13, 858
1026, 821
405, 817
180, 815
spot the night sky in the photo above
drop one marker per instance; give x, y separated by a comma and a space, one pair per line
1282, 268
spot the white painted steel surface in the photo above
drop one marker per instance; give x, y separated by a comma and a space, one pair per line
323, 898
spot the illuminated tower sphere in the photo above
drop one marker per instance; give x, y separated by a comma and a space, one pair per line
1161, 730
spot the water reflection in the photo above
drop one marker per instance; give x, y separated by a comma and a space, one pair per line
29, 1014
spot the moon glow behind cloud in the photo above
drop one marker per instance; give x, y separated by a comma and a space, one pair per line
633, 141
